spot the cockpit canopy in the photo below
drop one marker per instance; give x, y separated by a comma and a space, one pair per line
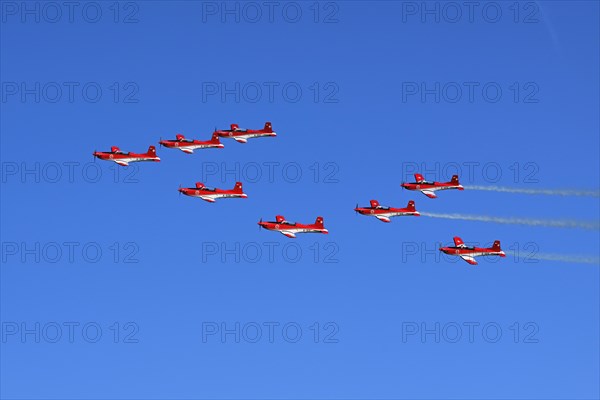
180, 138
280, 219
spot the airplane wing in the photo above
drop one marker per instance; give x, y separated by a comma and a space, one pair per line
382, 218
123, 163
209, 199
186, 150
469, 259
429, 193
241, 140
288, 234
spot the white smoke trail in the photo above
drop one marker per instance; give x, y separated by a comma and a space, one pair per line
561, 258
548, 192
519, 221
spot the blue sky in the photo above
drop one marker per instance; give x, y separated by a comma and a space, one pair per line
90, 245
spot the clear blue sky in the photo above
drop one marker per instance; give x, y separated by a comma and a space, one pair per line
360, 124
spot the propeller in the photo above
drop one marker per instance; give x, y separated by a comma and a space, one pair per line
355, 211
160, 142
179, 189
259, 224
94, 155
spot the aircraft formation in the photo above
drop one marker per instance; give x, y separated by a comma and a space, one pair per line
428, 188
281, 225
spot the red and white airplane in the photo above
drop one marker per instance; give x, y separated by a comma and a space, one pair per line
121, 158
468, 253
211, 194
189, 145
385, 213
428, 188
290, 229
242, 135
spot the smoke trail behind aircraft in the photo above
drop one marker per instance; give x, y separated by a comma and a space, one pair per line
546, 192
518, 221
561, 258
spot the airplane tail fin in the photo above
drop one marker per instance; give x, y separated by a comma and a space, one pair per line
374, 203
458, 242
411, 206
454, 181
179, 136
235, 127
151, 151
215, 138
419, 178
268, 127
496, 247
199, 185
238, 187
319, 222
